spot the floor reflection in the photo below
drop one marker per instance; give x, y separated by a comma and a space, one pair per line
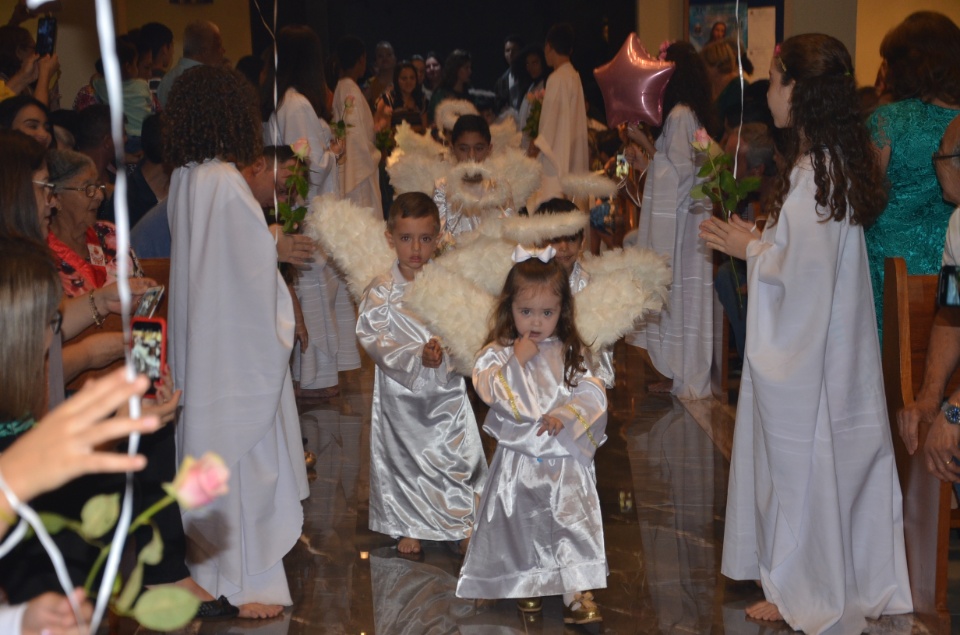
662, 483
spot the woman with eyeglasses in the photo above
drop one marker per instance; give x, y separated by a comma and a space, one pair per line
920, 57
85, 248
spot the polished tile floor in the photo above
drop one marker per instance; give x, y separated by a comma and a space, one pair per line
662, 482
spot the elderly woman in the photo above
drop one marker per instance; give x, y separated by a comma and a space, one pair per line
85, 248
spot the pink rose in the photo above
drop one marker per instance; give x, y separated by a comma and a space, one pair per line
199, 482
301, 149
701, 140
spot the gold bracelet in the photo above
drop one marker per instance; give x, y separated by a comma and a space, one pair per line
97, 318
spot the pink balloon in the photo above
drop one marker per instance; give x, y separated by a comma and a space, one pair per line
633, 84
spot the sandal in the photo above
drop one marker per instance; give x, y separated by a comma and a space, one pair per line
583, 610
219, 609
530, 605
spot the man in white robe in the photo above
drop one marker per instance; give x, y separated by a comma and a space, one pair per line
359, 174
231, 332
562, 140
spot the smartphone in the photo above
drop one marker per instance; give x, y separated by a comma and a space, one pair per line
149, 348
149, 302
622, 168
46, 35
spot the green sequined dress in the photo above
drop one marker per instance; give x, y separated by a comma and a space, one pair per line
914, 224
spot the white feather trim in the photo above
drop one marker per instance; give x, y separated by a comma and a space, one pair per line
608, 307
505, 136
522, 173
484, 261
353, 237
587, 185
533, 230
472, 188
410, 143
415, 173
453, 309
449, 110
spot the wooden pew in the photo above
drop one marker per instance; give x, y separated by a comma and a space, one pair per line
156, 268
909, 305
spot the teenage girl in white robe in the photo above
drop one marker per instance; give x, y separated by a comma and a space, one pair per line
680, 339
814, 510
328, 314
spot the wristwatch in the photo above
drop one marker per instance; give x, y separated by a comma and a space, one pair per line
951, 412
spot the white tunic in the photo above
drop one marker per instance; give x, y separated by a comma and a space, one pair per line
562, 139
359, 177
327, 311
231, 331
679, 339
539, 531
814, 508
427, 467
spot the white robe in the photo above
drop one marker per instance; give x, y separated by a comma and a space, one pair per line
328, 312
231, 331
679, 339
539, 530
814, 508
562, 139
427, 466
359, 176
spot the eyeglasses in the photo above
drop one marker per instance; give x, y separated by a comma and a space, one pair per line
47, 187
941, 157
90, 190
56, 322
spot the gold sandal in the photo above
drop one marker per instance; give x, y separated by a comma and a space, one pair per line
530, 605
586, 611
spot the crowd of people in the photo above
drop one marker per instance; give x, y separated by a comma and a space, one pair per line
261, 321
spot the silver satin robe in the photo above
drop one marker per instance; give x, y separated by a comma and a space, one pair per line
427, 466
601, 365
539, 530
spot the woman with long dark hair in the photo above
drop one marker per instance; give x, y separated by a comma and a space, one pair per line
455, 83
680, 339
404, 101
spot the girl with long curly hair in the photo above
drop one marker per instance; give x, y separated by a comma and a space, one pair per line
231, 334
548, 414
680, 339
813, 495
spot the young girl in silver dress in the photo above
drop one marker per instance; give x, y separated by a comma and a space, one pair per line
539, 530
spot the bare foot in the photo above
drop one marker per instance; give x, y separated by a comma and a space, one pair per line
190, 585
408, 545
766, 611
257, 611
661, 387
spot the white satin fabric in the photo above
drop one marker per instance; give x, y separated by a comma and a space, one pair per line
231, 332
679, 339
328, 312
601, 365
427, 467
814, 509
359, 176
539, 531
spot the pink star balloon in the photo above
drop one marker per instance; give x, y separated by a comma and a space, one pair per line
632, 84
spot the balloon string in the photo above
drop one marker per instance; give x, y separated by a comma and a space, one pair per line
736, 155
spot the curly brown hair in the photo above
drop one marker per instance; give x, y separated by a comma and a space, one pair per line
921, 55
212, 112
550, 274
825, 123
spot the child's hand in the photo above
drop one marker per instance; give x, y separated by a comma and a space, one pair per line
525, 349
550, 425
432, 353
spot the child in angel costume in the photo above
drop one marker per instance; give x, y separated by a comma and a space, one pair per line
548, 414
427, 464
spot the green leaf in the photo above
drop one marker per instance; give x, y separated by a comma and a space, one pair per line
130, 590
298, 214
731, 204
705, 170
99, 515
166, 608
283, 210
54, 523
302, 189
152, 553
748, 184
727, 183
697, 192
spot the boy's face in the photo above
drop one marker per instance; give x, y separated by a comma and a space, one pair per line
414, 240
568, 250
471, 146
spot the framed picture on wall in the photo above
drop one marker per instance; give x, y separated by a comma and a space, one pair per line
715, 21
760, 23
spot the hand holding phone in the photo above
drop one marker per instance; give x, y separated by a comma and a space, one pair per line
149, 348
46, 35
